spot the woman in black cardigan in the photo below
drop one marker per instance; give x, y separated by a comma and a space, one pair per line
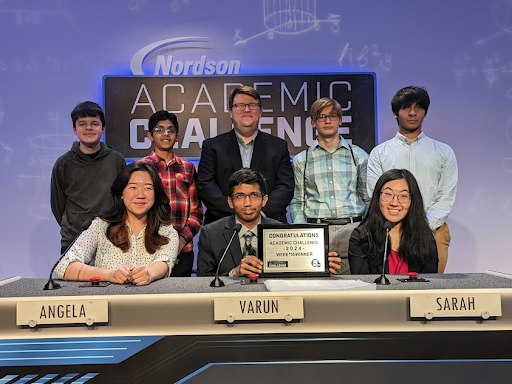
411, 247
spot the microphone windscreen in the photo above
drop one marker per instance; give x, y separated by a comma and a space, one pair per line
387, 225
238, 227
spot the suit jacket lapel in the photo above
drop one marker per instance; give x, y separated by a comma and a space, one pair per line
234, 252
233, 151
260, 145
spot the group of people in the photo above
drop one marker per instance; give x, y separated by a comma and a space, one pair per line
145, 215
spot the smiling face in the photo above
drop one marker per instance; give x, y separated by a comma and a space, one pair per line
89, 131
139, 195
410, 119
164, 136
397, 208
245, 121
248, 208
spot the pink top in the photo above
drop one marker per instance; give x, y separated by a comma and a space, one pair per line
397, 266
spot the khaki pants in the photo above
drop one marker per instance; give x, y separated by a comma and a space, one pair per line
442, 236
339, 236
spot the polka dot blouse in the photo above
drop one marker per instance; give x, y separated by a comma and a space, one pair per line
94, 248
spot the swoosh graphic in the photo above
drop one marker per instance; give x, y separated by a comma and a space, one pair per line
138, 58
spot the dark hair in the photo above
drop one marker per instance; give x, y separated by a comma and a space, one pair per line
247, 176
322, 103
162, 116
87, 109
245, 90
159, 213
407, 96
416, 239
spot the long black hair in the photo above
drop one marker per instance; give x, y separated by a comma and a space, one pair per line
159, 213
416, 238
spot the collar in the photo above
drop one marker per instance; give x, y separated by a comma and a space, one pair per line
241, 141
404, 139
157, 159
130, 231
245, 229
342, 144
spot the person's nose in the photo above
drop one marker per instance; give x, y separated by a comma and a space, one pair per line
394, 200
247, 200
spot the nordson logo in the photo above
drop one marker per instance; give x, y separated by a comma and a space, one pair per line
168, 65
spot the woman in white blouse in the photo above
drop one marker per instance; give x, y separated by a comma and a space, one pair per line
133, 242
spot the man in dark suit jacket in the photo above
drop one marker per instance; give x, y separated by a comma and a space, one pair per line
247, 197
245, 146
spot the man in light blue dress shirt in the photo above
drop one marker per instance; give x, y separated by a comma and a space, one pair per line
432, 163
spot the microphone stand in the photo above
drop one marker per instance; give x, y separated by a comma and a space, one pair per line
51, 285
217, 282
383, 280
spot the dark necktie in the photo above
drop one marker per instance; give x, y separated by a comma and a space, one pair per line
248, 249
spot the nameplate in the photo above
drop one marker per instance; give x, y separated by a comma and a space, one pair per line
61, 312
429, 306
258, 308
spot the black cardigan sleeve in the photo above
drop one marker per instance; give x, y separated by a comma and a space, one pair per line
357, 255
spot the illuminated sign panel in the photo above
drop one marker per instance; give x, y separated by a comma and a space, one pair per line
201, 104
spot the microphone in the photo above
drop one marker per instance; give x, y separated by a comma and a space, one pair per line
383, 280
217, 282
50, 285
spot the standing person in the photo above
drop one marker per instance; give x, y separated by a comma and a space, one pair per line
81, 178
330, 180
244, 146
432, 163
247, 197
132, 242
411, 247
179, 179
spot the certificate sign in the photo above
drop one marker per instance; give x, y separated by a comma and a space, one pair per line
293, 250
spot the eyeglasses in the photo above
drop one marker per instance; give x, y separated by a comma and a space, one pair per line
242, 106
242, 196
169, 131
403, 198
332, 117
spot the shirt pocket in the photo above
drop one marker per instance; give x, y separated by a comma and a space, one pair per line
183, 182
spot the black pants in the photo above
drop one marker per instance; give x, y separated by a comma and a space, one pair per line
184, 266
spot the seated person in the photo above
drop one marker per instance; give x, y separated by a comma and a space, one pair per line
134, 241
411, 247
247, 196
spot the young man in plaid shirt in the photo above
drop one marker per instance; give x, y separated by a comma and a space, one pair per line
179, 179
330, 180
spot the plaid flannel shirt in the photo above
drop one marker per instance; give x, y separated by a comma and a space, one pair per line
179, 180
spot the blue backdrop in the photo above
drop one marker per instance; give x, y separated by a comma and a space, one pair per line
54, 53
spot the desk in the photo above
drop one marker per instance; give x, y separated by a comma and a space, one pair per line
165, 332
